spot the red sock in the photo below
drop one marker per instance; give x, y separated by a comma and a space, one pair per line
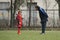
18, 30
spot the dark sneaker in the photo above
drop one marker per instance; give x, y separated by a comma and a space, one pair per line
42, 33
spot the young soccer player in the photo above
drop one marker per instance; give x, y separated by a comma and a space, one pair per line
19, 21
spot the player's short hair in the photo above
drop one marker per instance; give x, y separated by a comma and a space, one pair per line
18, 9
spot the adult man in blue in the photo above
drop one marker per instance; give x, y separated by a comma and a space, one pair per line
44, 18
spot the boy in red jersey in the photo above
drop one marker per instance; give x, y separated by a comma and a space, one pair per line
19, 21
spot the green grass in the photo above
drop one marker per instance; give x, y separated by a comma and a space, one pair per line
29, 35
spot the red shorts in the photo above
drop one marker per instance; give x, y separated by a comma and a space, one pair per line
19, 25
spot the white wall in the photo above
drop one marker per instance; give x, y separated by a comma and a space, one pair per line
5, 0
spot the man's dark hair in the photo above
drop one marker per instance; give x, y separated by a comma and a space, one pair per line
37, 7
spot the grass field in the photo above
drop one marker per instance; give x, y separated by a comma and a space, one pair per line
29, 35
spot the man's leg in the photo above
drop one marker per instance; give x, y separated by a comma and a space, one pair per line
43, 27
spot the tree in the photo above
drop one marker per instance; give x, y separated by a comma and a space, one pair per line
17, 4
58, 1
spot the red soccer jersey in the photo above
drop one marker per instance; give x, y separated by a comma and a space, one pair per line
19, 19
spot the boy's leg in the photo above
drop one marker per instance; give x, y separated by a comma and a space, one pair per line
19, 27
18, 30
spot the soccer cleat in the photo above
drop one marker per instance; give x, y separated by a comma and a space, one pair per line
19, 33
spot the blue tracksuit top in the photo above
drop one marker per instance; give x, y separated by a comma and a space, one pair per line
43, 15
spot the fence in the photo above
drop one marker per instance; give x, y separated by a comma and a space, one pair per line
53, 19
